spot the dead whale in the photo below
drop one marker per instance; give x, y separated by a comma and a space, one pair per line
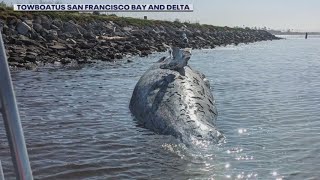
173, 99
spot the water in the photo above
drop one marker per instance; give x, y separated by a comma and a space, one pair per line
78, 126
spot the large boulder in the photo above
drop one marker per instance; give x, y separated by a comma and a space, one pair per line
28, 22
46, 22
23, 28
52, 35
73, 28
37, 27
57, 23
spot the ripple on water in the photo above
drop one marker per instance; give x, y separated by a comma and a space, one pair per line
78, 126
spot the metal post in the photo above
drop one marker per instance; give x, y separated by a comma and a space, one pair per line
1, 172
11, 120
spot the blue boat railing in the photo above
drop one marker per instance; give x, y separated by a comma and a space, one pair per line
12, 121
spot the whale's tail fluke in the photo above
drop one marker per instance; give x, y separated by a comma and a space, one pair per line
176, 53
188, 50
168, 48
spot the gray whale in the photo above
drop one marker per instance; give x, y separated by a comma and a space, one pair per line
176, 101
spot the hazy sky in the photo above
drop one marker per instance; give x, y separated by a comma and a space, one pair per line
302, 15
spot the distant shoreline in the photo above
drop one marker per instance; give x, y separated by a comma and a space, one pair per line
33, 39
292, 33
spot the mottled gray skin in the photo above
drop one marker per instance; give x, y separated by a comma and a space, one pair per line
176, 102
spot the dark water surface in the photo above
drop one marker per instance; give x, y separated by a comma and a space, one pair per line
78, 125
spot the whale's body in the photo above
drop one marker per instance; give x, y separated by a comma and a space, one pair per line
175, 102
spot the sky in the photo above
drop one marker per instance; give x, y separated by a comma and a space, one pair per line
299, 15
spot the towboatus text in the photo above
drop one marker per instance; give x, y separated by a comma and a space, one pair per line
105, 7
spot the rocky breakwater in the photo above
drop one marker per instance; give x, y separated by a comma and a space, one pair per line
35, 39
